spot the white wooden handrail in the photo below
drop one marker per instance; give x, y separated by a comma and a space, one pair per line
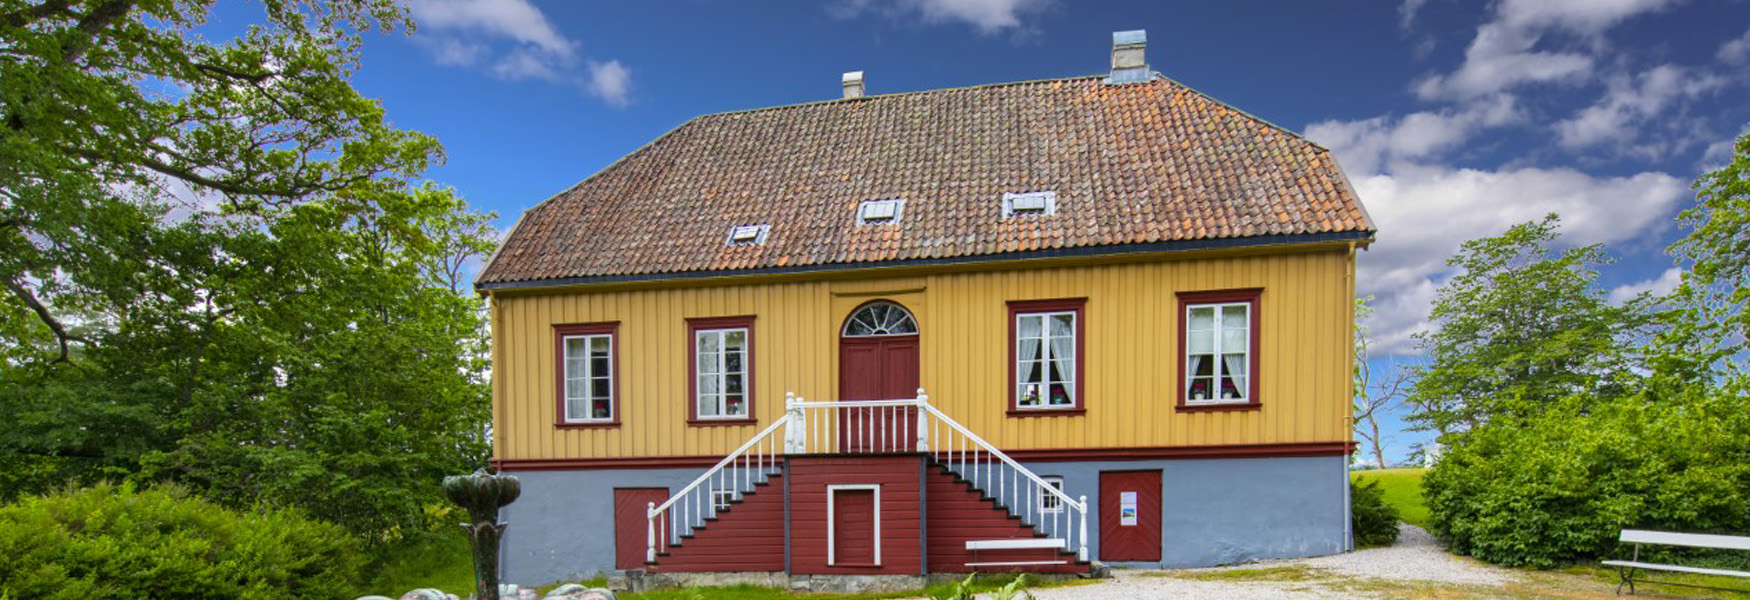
898, 425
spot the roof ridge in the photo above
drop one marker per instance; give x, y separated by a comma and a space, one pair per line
896, 95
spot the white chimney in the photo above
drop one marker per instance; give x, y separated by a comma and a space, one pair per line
853, 82
1129, 58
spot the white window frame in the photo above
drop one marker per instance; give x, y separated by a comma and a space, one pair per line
1045, 360
1220, 365
1047, 200
1044, 496
832, 559
723, 375
897, 206
588, 376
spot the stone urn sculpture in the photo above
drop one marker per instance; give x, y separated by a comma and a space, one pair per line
483, 494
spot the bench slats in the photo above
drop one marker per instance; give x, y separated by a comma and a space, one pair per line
1678, 568
1016, 544
1694, 540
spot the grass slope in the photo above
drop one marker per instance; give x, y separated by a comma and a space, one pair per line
1403, 489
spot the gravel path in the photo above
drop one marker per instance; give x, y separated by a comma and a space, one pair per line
1415, 558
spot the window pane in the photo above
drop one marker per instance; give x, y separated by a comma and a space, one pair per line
1233, 340
1063, 325
1062, 394
1200, 342
732, 362
735, 339
576, 408
1233, 388
1029, 350
574, 388
1201, 388
601, 410
1234, 316
1202, 317
599, 388
599, 367
733, 405
709, 341
598, 345
1028, 395
574, 367
1030, 371
1030, 326
709, 384
707, 362
707, 405
732, 383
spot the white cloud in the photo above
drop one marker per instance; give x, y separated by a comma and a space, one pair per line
1737, 51
513, 40
1504, 53
987, 16
610, 81
1657, 286
1375, 145
1630, 103
1407, 12
1425, 213
514, 19
1500, 58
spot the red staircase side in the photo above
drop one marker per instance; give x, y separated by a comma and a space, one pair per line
747, 537
959, 513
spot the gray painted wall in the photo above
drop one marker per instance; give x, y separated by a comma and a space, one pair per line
562, 527
1227, 511
1218, 511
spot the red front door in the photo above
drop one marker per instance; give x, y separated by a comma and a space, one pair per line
631, 528
878, 368
853, 528
1130, 515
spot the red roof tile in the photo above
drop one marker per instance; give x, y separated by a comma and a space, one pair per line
1130, 164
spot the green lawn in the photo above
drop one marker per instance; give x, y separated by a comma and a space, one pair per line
1403, 489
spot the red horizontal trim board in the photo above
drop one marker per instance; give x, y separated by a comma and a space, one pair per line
1036, 455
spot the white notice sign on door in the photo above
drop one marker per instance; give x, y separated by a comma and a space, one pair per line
1127, 509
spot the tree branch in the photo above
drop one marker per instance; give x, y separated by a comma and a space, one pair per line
26, 16
42, 312
93, 23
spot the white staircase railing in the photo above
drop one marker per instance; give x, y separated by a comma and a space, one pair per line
906, 425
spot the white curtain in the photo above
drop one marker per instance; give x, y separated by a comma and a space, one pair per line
1232, 366
1063, 357
1196, 368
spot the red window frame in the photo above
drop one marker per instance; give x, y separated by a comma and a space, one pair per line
560, 332
694, 326
1251, 296
1021, 307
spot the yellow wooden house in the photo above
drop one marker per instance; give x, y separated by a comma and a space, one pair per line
1033, 325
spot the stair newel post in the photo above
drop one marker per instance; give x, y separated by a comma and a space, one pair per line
793, 424
923, 430
650, 533
1082, 553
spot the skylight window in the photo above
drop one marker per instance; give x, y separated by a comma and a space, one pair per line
748, 235
874, 212
1029, 203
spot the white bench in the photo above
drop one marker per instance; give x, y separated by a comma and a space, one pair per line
1627, 568
1016, 544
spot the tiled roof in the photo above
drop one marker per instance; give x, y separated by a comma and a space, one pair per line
1145, 163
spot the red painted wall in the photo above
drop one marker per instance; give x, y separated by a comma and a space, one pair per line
747, 537
958, 514
901, 536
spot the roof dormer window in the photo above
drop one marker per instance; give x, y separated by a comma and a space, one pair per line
875, 212
1029, 203
748, 235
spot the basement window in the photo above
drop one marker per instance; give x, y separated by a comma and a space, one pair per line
875, 212
1029, 203
748, 235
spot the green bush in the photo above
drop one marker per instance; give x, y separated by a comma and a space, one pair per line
116, 542
1557, 488
1372, 520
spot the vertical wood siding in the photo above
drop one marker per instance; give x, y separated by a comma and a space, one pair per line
1130, 354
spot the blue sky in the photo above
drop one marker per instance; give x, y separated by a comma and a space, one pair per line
1453, 119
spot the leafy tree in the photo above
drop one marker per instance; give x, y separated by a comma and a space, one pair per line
1521, 326
220, 267
1716, 322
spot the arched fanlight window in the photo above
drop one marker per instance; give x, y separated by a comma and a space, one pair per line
880, 318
